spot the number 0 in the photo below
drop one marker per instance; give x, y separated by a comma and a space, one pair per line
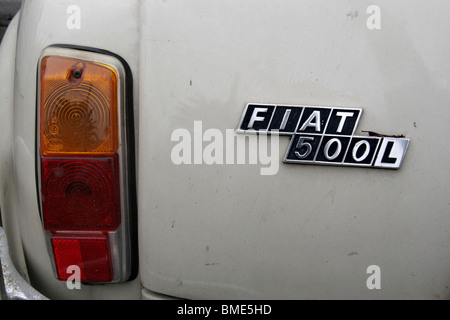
336, 153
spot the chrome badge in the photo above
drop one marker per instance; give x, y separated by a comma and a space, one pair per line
324, 135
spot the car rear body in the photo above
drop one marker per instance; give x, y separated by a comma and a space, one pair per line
221, 229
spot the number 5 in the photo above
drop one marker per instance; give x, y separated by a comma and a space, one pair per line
300, 144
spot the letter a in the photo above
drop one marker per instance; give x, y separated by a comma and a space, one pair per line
374, 281
374, 20
73, 281
74, 19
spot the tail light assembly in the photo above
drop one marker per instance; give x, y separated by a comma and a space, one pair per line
85, 163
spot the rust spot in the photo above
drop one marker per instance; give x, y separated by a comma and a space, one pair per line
376, 134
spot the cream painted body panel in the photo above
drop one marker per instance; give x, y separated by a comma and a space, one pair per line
223, 230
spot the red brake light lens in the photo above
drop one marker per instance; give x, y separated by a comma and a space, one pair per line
81, 194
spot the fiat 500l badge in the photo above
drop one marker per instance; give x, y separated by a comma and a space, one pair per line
324, 135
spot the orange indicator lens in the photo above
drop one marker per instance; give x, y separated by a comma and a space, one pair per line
78, 107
